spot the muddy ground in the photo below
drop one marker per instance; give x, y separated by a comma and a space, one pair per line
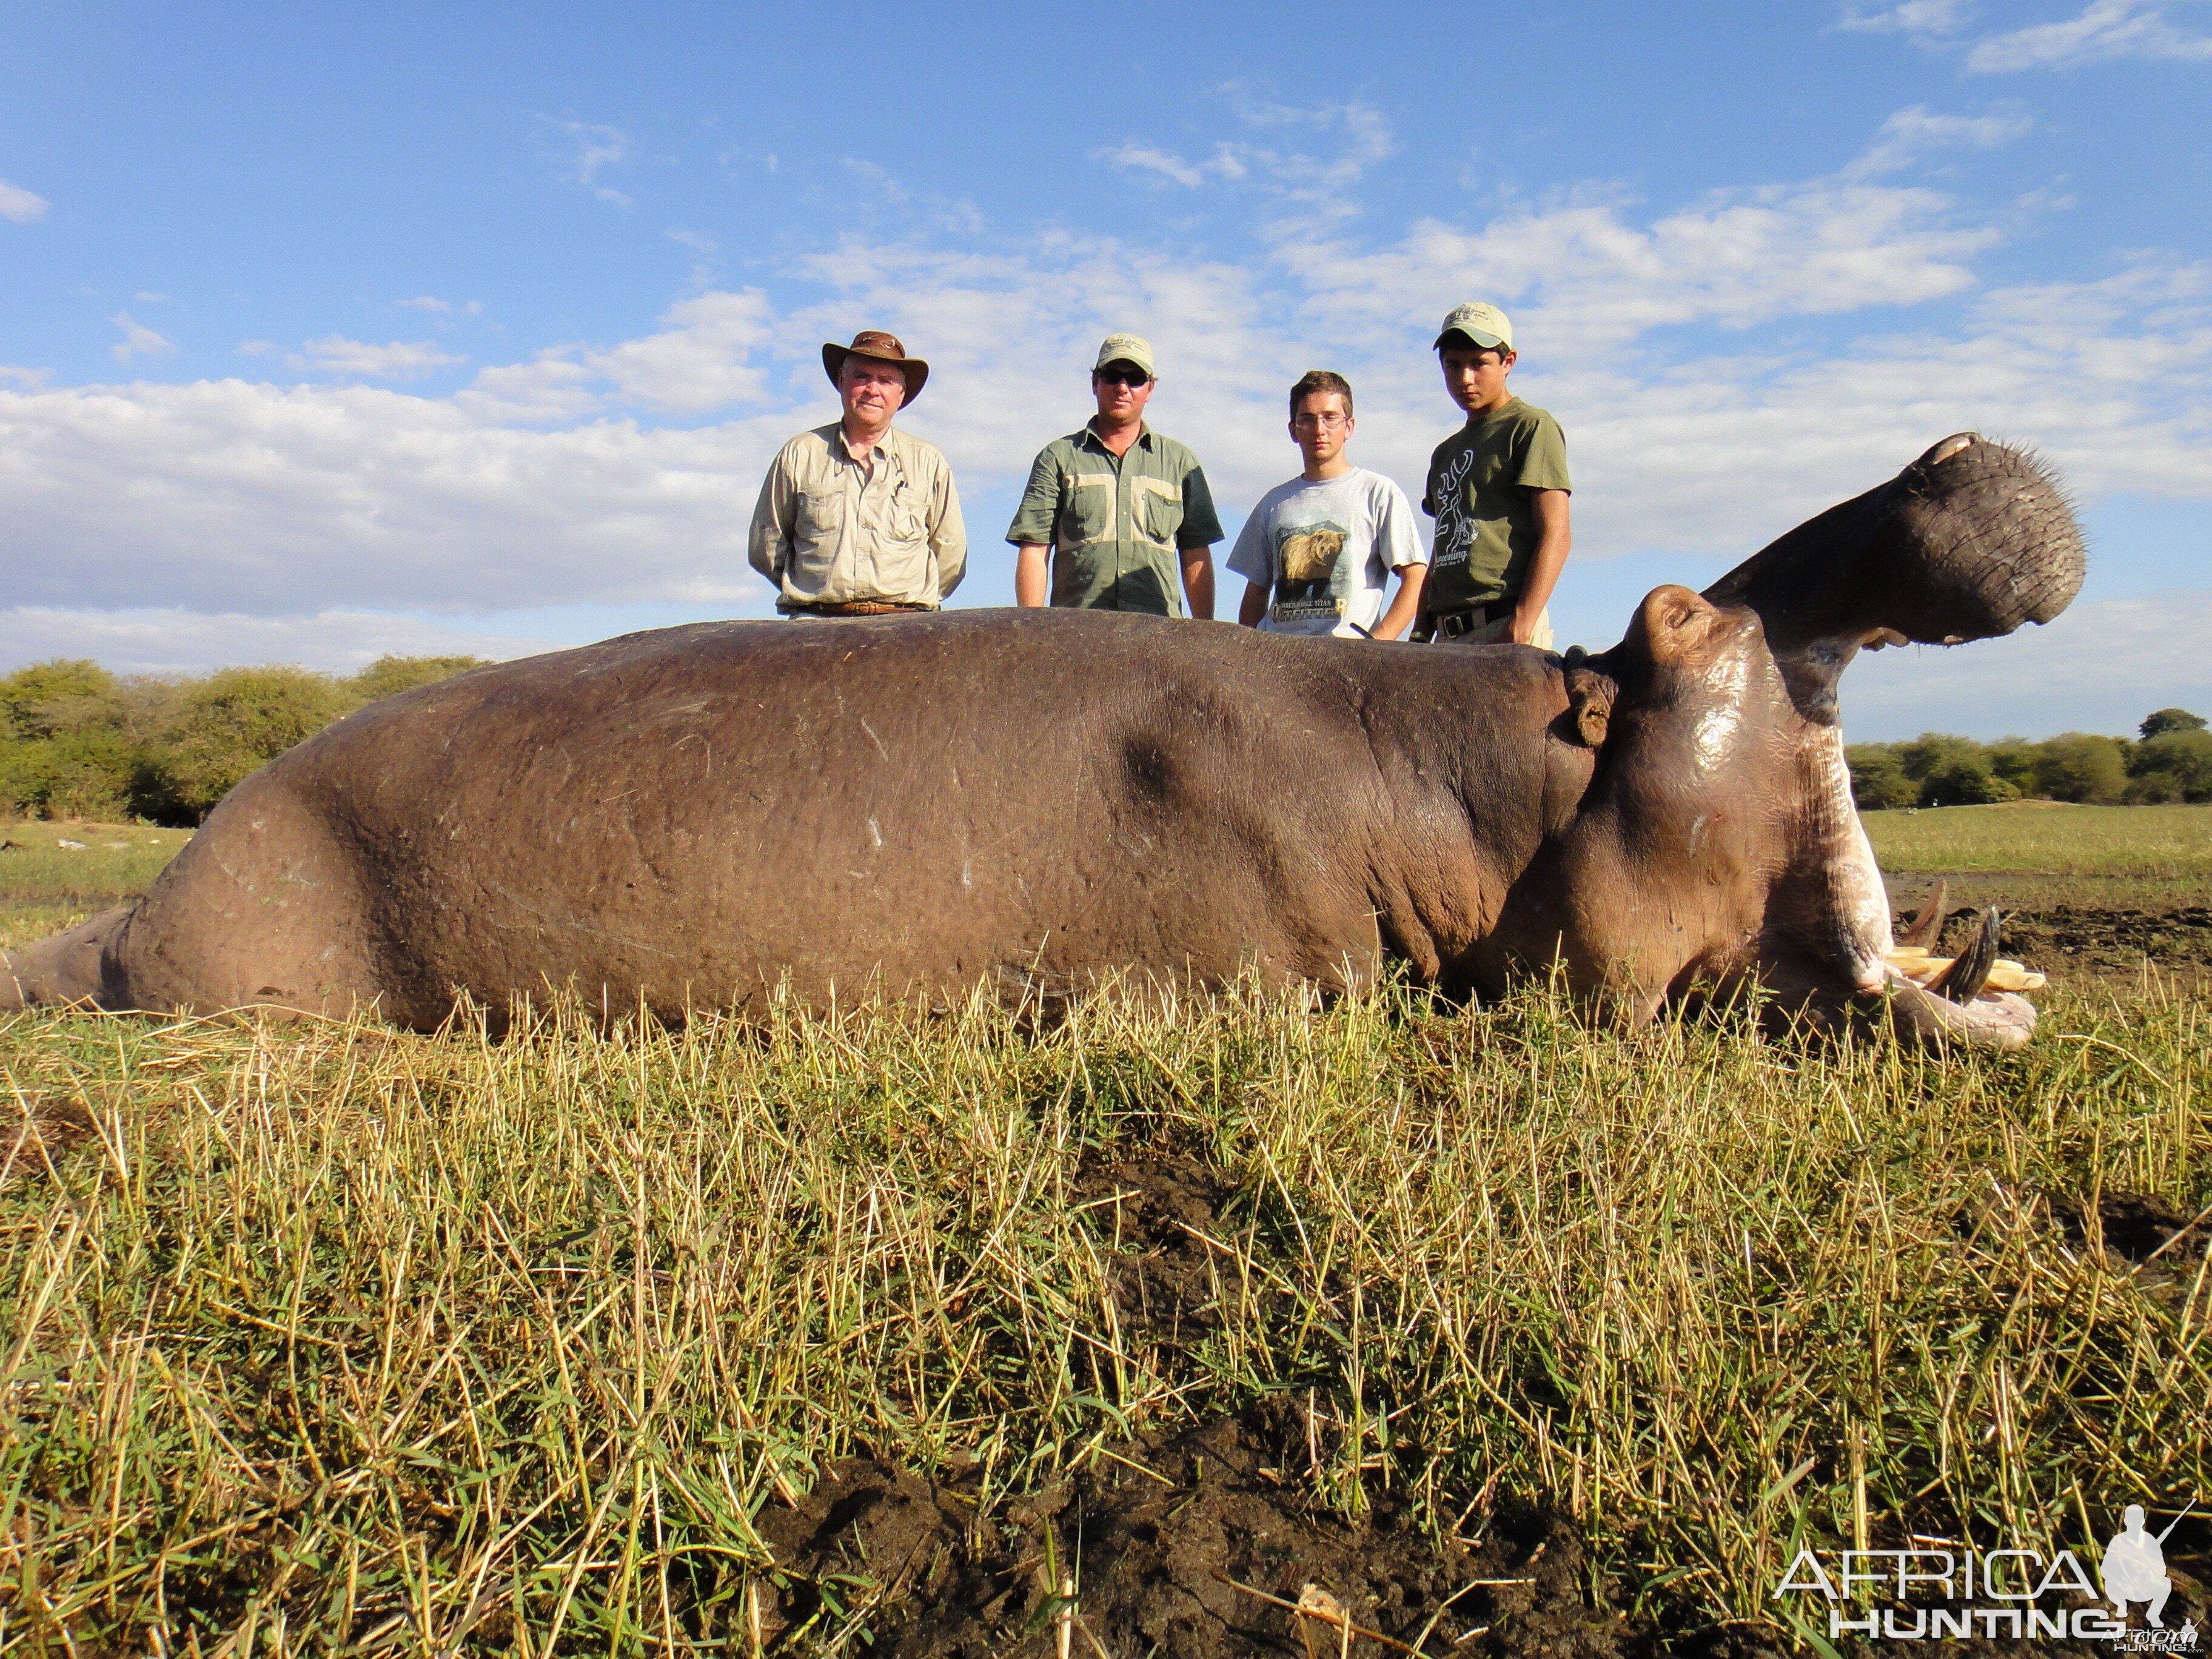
1188, 1543
2075, 928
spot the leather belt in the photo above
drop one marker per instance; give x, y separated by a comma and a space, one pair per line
860, 607
1450, 624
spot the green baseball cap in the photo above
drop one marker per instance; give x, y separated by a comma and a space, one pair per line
1125, 349
1482, 323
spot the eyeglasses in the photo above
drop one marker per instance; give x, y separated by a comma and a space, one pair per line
1327, 422
1116, 374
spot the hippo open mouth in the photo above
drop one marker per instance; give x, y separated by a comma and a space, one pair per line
720, 814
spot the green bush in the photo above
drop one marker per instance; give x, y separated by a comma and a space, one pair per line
1965, 781
232, 722
65, 744
2174, 764
2013, 760
2080, 766
1878, 782
387, 676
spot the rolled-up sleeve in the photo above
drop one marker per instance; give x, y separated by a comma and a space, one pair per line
1038, 518
948, 533
770, 540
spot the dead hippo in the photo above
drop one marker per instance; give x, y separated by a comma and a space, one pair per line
911, 807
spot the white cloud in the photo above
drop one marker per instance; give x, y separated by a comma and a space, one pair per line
30, 380
151, 299
1146, 158
591, 149
399, 359
2105, 29
183, 641
229, 496
1910, 134
20, 205
1912, 17
1319, 185
137, 341
442, 308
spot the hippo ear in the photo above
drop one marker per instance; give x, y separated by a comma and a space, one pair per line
1670, 624
1589, 702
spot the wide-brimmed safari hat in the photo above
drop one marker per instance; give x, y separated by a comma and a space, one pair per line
885, 348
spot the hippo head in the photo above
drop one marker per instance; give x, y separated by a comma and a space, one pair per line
1720, 780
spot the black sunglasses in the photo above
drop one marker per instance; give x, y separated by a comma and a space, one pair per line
1118, 375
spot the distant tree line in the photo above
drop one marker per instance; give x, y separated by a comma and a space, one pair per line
78, 742
2170, 760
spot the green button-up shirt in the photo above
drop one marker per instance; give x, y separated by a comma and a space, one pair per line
1115, 522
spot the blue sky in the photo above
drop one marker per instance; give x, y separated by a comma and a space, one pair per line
333, 332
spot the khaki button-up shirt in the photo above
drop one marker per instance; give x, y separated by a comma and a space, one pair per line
1116, 523
828, 529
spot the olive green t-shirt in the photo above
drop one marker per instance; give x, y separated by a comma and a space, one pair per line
1116, 524
1479, 483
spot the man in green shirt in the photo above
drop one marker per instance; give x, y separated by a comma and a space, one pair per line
1498, 489
1118, 510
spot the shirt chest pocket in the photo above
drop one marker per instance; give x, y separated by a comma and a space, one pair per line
1089, 508
1157, 506
902, 519
821, 514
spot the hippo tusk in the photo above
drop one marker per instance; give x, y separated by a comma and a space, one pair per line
1927, 927
2000, 1021
1969, 972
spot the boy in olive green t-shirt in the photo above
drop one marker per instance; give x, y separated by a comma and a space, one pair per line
1498, 489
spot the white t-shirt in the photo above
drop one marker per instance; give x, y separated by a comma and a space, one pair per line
1326, 551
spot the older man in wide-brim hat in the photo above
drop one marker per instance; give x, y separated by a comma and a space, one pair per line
857, 518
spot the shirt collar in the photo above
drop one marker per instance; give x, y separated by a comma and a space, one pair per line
886, 444
1144, 434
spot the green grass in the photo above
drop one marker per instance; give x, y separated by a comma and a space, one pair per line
331, 1335
46, 886
2044, 838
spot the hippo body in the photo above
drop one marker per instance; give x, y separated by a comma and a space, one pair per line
910, 806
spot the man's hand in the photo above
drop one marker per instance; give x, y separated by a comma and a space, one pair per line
1406, 606
1253, 610
1198, 580
1030, 575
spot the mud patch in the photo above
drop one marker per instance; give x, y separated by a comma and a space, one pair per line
2062, 940
1175, 1546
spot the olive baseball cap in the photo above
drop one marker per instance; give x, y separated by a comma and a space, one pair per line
1125, 349
1485, 324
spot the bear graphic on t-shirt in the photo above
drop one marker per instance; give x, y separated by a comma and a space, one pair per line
1305, 562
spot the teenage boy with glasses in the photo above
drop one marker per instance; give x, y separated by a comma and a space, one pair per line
1118, 510
1317, 552
1498, 489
